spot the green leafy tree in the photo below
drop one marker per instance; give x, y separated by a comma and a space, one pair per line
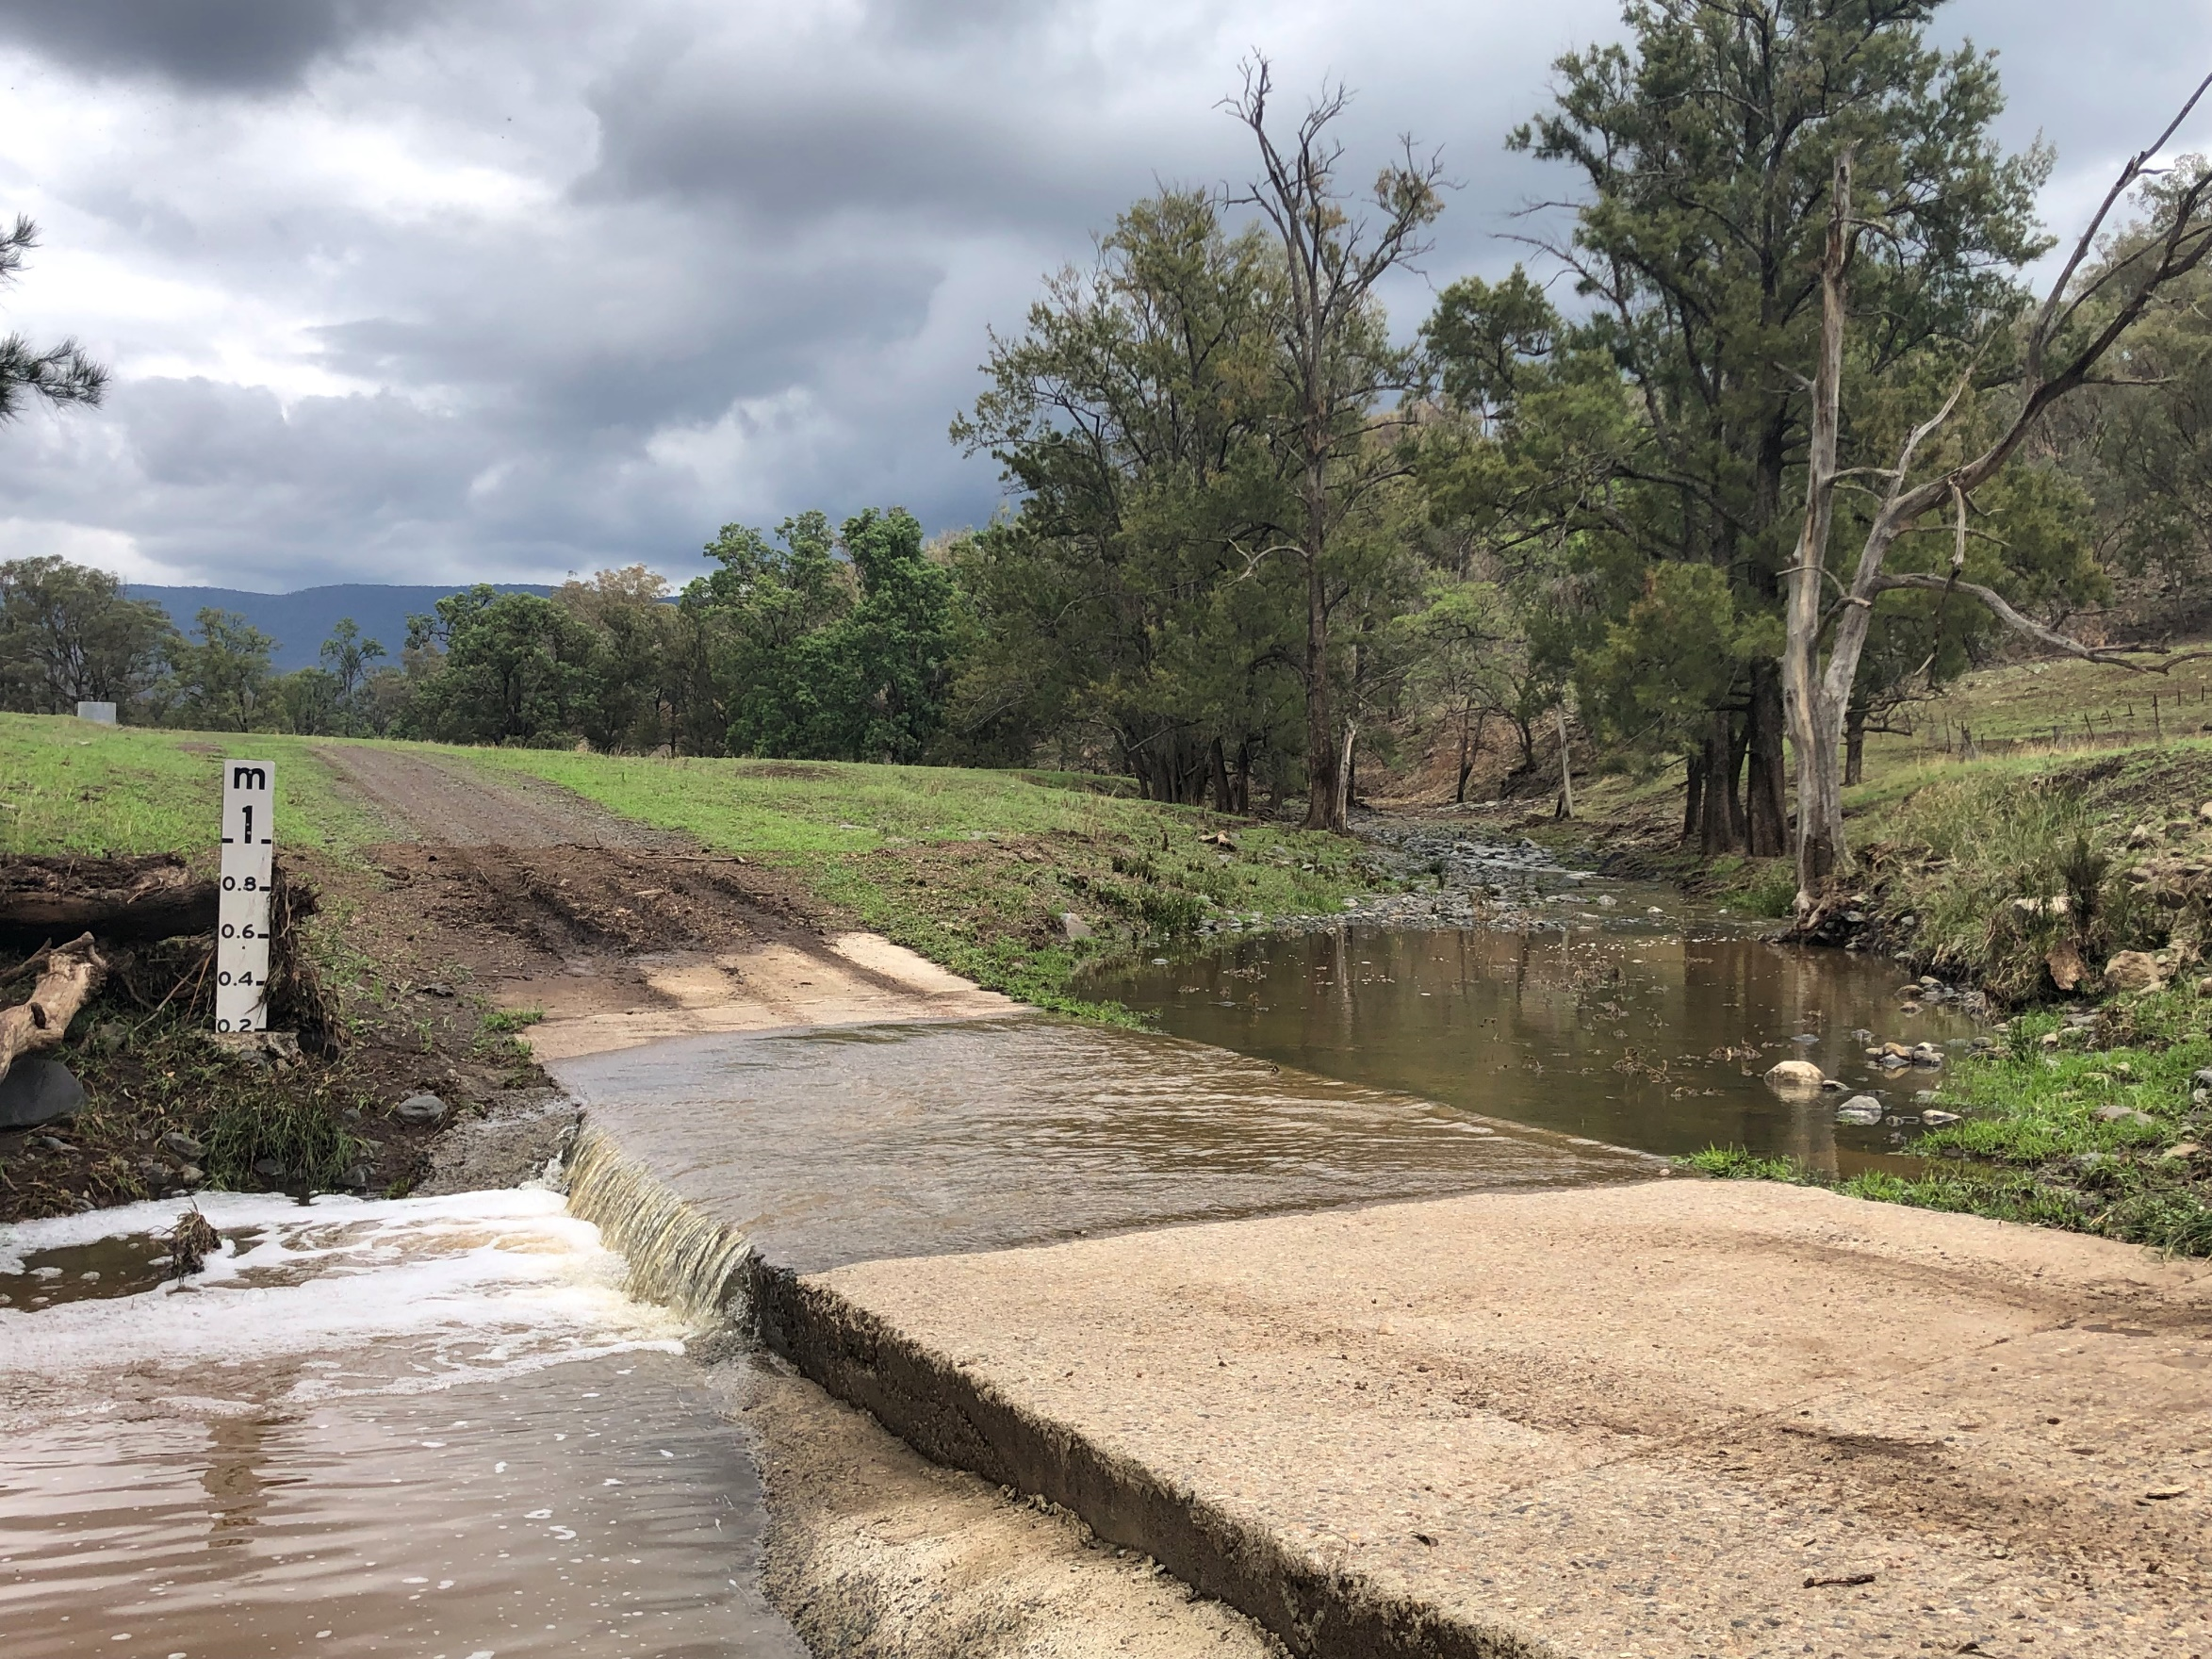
222, 675
1705, 147
68, 635
311, 701
1132, 610
349, 660
501, 668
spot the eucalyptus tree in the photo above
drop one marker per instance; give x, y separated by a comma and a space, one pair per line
2086, 317
1342, 433
1706, 147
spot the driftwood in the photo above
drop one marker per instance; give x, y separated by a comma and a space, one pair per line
49, 898
74, 973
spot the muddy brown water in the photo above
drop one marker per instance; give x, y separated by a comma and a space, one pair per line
435, 1429
828, 1147
1640, 1038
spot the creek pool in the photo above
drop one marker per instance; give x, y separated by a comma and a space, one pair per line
1646, 1038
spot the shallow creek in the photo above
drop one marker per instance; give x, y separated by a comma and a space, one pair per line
1637, 1035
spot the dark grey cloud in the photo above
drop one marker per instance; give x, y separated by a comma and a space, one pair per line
412, 293
220, 44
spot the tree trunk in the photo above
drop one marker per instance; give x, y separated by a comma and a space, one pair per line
1693, 797
1716, 829
1854, 746
1739, 745
1815, 709
1225, 801
1766, 801
1469, 747
1566, 770
1242, 791
1343, 801
48, 898
1324, 801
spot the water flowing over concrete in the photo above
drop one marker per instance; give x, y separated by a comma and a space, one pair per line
822, 1147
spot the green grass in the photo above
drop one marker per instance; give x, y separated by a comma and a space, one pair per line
506, 1020
68, 786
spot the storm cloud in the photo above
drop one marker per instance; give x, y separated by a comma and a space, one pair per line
404, 292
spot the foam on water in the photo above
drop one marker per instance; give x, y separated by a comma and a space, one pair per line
445, 1290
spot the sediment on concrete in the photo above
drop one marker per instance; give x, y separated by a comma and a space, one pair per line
943, 1411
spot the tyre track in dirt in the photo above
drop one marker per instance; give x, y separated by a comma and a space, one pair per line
617, 934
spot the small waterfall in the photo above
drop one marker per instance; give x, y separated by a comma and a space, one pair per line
678, 1256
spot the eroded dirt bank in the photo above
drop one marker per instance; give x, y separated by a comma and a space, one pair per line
1679, 1419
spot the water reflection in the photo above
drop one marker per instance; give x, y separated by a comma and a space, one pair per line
1644, 1039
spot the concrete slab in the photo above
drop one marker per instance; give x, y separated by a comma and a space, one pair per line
1672, 1419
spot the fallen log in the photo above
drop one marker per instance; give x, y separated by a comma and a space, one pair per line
73, 973
49, 898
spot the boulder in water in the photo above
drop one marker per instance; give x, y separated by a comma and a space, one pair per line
1859, 1109
1794, 1077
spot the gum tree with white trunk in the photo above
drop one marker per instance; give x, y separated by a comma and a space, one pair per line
2090, 308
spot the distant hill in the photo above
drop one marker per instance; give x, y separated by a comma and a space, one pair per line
300, 622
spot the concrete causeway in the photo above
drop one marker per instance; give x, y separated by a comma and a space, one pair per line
1671, 1419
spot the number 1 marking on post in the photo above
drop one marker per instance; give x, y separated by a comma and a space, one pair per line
249, 865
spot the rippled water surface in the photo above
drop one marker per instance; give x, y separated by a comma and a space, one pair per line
419, 1428
1646, 1039
839, 1146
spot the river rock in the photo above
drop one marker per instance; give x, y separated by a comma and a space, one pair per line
1859, 1109
1074, 927
37, 1089
420, 1108
1939, 1118
186, 1146
1792, 1077
2134, 970
2126, 1114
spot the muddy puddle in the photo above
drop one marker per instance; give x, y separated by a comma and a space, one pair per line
1636, 1036
833, 1145
424, 1428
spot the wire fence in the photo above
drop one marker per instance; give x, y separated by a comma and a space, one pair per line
2126, 724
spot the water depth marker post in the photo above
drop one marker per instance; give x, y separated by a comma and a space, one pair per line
249, 865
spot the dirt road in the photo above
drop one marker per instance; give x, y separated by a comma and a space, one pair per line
424, 799
616, 934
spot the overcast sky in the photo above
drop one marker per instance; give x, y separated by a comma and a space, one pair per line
404, 292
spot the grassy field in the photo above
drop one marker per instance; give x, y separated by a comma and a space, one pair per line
69, 786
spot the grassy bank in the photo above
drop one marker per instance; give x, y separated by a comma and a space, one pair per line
69, 786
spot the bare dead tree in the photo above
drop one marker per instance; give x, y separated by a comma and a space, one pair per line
1336, 360
2055, 362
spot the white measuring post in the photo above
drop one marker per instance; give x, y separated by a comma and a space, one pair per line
249, 865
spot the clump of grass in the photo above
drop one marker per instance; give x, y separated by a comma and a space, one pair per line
503, 1020
1770, 888
299, 1130
1737, 1163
